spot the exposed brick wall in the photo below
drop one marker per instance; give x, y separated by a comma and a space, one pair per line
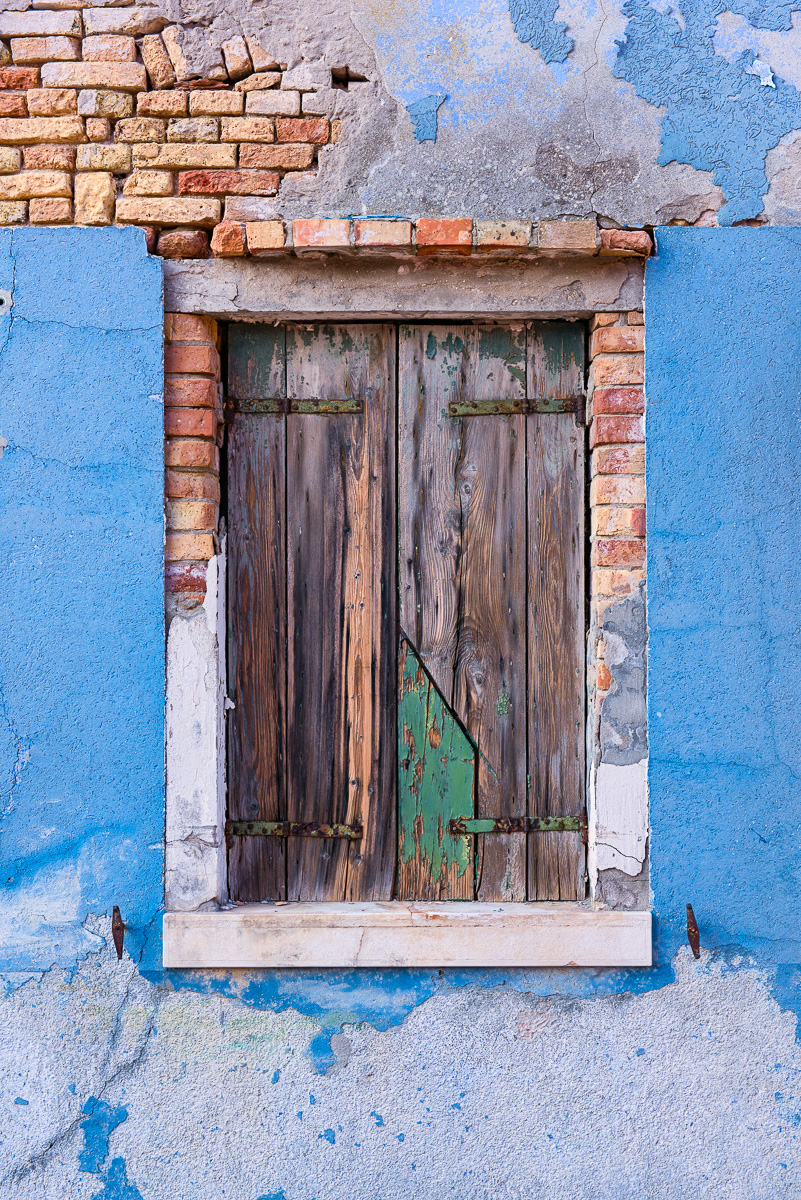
617, 473
98, 125
192, 426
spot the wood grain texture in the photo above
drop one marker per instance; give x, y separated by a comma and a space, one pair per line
556, 651
462, 502
341, 611
555, 363
256, 651
256, 364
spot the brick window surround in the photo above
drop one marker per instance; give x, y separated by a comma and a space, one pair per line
194, 562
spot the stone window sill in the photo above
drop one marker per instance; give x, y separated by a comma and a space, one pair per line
407, 934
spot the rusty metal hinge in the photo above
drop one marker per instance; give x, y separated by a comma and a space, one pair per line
472, 825
286, 829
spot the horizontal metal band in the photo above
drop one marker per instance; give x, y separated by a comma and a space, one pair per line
462, 825
520, 406
291, 829
281, 405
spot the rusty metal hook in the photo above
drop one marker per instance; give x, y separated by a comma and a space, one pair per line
117, 930
693, 934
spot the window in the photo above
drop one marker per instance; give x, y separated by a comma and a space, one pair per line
406, 612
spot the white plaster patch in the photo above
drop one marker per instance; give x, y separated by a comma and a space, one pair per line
195, 729
621, 816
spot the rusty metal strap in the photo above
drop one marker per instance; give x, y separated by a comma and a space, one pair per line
471, 825
506, 407
281, 405
284, 829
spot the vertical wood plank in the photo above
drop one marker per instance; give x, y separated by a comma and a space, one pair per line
462, 561
256, 364
341, 611
556, 651
491, 655
556, 364
436, 782
256, 651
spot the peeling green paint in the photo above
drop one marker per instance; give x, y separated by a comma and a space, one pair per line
436, 772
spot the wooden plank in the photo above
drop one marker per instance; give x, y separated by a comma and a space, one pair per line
341, 611
256, 365
436, 782
256, 651
556, 651
556, 367
462, 559
407, 935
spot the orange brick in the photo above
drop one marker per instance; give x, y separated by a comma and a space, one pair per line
191, 514
190, 422
22, 78
185, 577
265, 238
228, 240
615, 583
443, 233
192, 360
13, 104
228, 183
617, 489
190, 391
618, 400
301, 129
619, 460
618, 339
616, 428
625, 242
611, 370
610, 521
636, 318
600, 320
604, 677
320, 234
379, 234
286, 157
189, 452
189, 546
185, 327
618, 552
191, 485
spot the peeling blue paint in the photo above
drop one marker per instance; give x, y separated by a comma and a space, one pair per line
116, 1185
719, 116
101, 1122
534, 22
424, 116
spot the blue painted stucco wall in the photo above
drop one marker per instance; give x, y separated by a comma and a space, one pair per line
723, 469
81, 592
81, 604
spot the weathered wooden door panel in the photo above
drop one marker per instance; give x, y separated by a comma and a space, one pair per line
336, 541
556, 553
257, 608
461, 487
257, 650
487, 539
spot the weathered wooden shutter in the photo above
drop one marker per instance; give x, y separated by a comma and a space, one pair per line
470, 627
491, 554
312, 652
